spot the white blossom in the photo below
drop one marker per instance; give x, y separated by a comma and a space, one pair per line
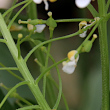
37, 1
39, 28
82, 3
40, 1
69, 66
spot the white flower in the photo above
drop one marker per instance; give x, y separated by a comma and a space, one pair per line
40, 1
69, 66
82, 3
37, 1
83, 34
39, 28
83, 24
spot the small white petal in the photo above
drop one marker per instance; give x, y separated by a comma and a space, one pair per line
83, 34
73, 58
82, 3
40, 28
37, 1
46, 4
69, 67
71, 63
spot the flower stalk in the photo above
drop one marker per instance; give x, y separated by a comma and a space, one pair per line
104, 55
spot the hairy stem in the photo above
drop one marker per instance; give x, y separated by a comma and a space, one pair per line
104, 55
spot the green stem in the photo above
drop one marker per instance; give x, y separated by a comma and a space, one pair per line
35, 22
74, 20
46, 63
30, 107
60, 82
9, 10
22, 66
8, 16
8, 94
18, 13
105, 64
55, 84
92, 10
8, 68
41, 75
104, 55
23, 100
3, 40
18, 77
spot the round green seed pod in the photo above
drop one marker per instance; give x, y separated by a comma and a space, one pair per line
87, 46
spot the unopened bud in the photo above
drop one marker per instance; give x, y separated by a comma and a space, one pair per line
19, 21
95, 36
87, 46
20, 36
49, 13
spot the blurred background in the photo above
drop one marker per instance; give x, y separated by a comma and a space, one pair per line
82, 89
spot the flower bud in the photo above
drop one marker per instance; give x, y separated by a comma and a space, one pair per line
87, 46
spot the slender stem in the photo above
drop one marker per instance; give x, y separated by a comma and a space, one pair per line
19, 103
8, 94
22, 99
46, 63
60, 83
9, 10
74, 20
59, 20
8, 16
8, 68
12, 73
30, 107
51, 40
3, 40
65, 102
41, 75
104, 55
92, 10
18, 13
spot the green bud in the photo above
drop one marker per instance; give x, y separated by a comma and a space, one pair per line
87, 46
